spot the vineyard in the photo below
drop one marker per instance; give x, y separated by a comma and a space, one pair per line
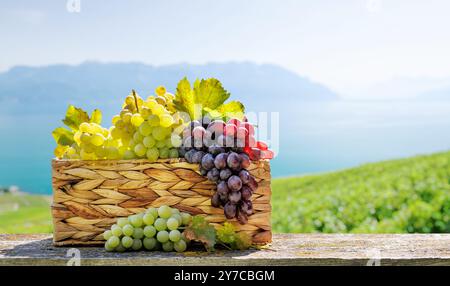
399, 196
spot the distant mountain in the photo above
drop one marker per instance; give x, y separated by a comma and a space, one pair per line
438, 94
49, 89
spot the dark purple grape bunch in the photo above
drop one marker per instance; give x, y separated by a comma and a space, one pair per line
223, 164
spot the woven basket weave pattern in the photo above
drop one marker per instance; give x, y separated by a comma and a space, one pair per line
89, 196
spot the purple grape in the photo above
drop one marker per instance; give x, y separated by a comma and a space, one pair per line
234, 161
182, 151
198, 144
246, 193
189, 154
208, 162
244, 175
241, 217
243, 207
207, 139
253, 184
221, 161
245, 160
187, 133
203, 172
215, 200
225, 174
249, 207
222, 188
215, 150
197, 157
234, 197
187, 142
216, 127
193, 124
213, 175
234, 183
229, 210
229, 141
220, 140
198, 132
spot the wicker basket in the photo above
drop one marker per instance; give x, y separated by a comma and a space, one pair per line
89, 196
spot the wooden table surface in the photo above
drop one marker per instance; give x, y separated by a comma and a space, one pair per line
286, 249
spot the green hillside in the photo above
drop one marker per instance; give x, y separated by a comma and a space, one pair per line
398, 196
407, 195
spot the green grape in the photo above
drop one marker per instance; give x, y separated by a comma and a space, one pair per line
127, 117
158, 109
151, 103
136, 119
129, 100
160, 224
101, 152
107, 234
145, 112
137, 137
162, 236
85, 127
167, 246
140, 150
122, 221
138, 233
168, 142
148, 219
85, 138
160, 144
166, 120
186, 218
152, 154
120, 248
128, 155
127, 241
175, 235
116, 230
113, 152
87, 156
108, 247
149, 243
88, 147
97, 139
128, 230
149, 141
173, 153
176, 140
141, 215
159, 133
175, 211
180, 246
135, 220
153, 120
164, 153
153, 211
178, 218
172, 223
115, 119
149, 231
145, 129
165, 211
137, 244
113, 241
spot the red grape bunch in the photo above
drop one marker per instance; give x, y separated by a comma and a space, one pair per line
220, 149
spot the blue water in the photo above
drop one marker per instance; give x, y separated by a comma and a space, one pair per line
314, 137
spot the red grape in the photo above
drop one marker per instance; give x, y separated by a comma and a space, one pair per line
229, 210
250, 141
261, 145
244, 175
222, 188
230, 130
234, 161
234, 197
255, 154
246, 193
250, 128
241, 217
215, 200
208, 162
242, 133
213, 175
234, 121
225, 174
216, 127
253, 184
189, 154
197, 157
198, 132
245, 160
215, 150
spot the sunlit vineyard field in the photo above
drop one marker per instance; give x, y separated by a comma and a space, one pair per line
398, 196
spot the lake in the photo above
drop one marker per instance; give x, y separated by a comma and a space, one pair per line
315, 137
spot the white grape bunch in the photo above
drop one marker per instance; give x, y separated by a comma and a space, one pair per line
155, 229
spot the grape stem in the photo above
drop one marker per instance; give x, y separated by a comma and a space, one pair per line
135, 99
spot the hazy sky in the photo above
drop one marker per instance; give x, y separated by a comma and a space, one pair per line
342, 44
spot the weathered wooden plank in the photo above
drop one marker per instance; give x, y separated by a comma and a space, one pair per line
286, 249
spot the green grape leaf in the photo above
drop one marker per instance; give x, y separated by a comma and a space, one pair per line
96, 116
184, 98
63, 136
242, 241
210, 93
60, 150
233, 109
226, 233
200, 230
75, 116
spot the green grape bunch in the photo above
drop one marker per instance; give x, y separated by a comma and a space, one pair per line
155, 229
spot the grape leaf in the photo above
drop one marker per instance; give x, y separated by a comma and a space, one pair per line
232, 109
60, 150
63, 136
210, 93
242, 241
74, 117
96, 116
184, 97
200, 230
